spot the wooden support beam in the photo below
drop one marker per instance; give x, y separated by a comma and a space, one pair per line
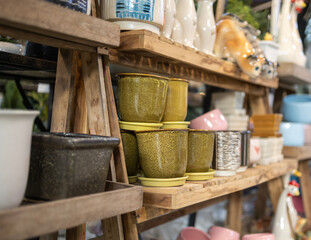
234, 211
51, 236
306, 188
275, 187
76, 233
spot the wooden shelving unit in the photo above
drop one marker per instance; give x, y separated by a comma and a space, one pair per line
149, 52
33, 220
290, 73
300, 153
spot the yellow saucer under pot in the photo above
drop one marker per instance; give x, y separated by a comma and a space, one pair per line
175, 125
132, 179
139, 126
163, 182
202, 176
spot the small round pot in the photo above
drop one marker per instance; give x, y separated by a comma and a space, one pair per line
163, 153
15, 141
259, 236
295, 108
174, 125
130, 151
213, 120
141, 97
216, 232
200, 150
176, 100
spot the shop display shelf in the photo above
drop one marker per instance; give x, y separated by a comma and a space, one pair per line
56, 26
291, 73
30, 220
149, 52
300, 153
196, 192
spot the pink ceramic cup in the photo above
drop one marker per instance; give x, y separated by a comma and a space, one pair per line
221, 233
191, 233
213, 120
259, 236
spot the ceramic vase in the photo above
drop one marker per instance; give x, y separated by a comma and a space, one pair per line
169, 16
185, 23
275, 12
206, 28
134, 14
15, 141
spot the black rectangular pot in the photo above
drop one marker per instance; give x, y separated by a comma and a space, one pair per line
65, 165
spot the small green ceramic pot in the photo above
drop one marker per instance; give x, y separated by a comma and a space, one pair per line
141, 97
176, 100
200, 150
130, 151
163, 153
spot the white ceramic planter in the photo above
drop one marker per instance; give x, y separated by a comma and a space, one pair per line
135, 14
270, 50
15, 141
169, 17
12, 48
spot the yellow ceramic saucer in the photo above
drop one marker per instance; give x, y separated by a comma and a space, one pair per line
139, 126
174, 125
133, 179
162, 182
201, 176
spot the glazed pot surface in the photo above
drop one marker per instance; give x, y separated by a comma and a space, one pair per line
131, 152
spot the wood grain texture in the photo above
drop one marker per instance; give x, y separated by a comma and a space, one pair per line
291, 73
50, 20
22, 222
192, 193
300, 153
76, 233
306, 188
63, 93
275, 187
234, 211
51, 236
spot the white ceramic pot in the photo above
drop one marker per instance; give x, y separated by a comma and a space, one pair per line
12, 48
135, 14
206, 27
185, 23
15, 141
270, 50
169, 17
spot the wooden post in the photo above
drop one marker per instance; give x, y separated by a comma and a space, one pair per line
234, 211
51, 236
306, 187
76, 233
275, 187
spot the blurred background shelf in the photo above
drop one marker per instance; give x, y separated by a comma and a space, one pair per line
300, 153
291, 73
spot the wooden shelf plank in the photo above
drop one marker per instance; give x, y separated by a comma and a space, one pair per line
47, 217
291, 73
60, 25
300, 153
149, 52
195, 192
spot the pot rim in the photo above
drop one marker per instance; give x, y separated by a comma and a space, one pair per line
166, 130
179, 80
142, 75
176, 122
18, 112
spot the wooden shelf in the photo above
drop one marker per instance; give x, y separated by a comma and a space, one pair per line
149, 52
300, 153
23, 67
46, 23
291, 73
195, 192
47, 217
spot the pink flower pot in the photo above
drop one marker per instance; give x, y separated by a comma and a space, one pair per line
259, 236
221, 233
191, 233
213, 120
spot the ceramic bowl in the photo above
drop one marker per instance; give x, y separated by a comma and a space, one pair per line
259, 236
130, 152
293, 134
200, 150
213, 120
216, 233
307, 134
270, 50
191, 233
15, 138
295, 108
12, 48
176, 100
174, 125
135, 15
163, 153
141, 97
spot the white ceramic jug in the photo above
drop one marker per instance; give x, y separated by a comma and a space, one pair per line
206, 27
15, 141
185, 22
169, 16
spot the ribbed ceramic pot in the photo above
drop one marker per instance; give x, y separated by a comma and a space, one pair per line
141, 97
163, 153
130, 151
176, 100
200, 150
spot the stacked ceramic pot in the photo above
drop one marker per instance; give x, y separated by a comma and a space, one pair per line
144, 101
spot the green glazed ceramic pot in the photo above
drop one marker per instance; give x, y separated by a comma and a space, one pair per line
130, 151
141, 97
163, 153
200, 150
176, 100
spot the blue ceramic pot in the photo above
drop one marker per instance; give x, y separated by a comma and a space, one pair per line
293, 134
297, 108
